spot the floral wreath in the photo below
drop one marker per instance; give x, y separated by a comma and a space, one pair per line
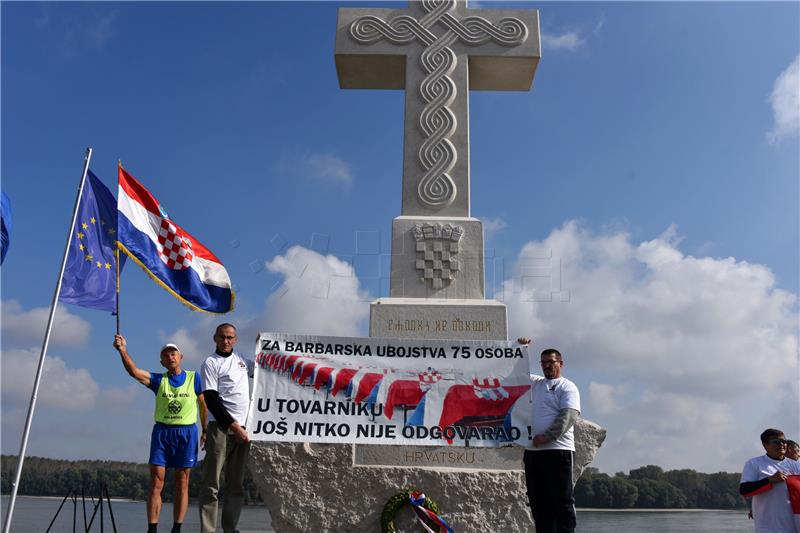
426, 509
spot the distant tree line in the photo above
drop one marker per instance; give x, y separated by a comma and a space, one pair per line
650, 487
645, 487
55, 477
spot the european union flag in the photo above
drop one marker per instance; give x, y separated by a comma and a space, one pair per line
5, 226
90, 275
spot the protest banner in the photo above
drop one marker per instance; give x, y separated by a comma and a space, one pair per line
390, 391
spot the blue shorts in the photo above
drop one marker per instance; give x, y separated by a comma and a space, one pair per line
173, 446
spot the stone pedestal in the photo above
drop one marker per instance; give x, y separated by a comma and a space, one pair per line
343, 488
319, 488
435, 257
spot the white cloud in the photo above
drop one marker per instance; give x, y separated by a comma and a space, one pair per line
785, 101
326, 167
492, 225
666, 428
102, 29
667, 348
692, 340
61, 387
193, 351
43, 19
603, 397
86, 32
320, 294
125, 417
23, 328
119, 399
569, 40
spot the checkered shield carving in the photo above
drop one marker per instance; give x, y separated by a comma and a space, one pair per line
437, 247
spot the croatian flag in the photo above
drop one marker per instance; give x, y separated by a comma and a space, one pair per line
168, 253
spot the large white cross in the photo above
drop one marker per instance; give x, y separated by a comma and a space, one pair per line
437, 50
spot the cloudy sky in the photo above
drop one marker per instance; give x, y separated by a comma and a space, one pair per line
640, 206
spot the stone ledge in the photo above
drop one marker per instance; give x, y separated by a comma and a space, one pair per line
469, 319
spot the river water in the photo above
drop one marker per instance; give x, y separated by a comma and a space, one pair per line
33, 514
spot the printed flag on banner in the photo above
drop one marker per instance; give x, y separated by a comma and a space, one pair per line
91, 272
484, 402
168, 253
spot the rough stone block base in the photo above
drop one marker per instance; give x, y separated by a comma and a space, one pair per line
316, 488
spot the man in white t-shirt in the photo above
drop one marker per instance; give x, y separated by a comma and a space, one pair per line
548, 466
225, 376
764, 479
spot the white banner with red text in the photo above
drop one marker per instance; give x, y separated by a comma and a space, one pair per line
390, 391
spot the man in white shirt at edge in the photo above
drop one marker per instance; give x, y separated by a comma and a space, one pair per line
764, 479
548, 466
225, 376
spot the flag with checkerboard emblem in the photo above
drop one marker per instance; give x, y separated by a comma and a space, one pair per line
168, 253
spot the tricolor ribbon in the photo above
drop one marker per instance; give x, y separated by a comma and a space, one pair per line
417, 500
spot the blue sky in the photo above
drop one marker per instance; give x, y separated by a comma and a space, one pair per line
655, 163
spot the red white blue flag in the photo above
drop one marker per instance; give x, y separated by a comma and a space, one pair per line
168, 253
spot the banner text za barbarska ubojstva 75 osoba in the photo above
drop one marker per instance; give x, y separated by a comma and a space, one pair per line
390, 391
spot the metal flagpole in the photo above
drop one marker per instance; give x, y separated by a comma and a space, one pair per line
32, 405
116, 251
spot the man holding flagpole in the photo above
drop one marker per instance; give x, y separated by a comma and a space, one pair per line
137, 225
190, 272
173, 443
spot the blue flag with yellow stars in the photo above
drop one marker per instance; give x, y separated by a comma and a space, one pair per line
5, 226
90, 275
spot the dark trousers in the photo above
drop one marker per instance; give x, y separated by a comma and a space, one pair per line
548, 475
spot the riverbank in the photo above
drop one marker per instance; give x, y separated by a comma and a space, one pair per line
33, 514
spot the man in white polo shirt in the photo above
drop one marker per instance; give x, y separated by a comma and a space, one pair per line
764, 479
226, 383
548, 466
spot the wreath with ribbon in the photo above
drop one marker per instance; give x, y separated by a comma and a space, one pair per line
426, 509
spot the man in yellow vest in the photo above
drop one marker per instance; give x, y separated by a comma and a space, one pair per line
173, 443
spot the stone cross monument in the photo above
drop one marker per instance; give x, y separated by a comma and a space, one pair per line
435, 50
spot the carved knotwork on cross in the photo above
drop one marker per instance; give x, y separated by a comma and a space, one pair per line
436, 50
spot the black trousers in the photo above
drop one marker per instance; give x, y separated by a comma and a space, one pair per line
548, 475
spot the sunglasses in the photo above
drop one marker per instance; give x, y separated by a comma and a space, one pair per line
777, 442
